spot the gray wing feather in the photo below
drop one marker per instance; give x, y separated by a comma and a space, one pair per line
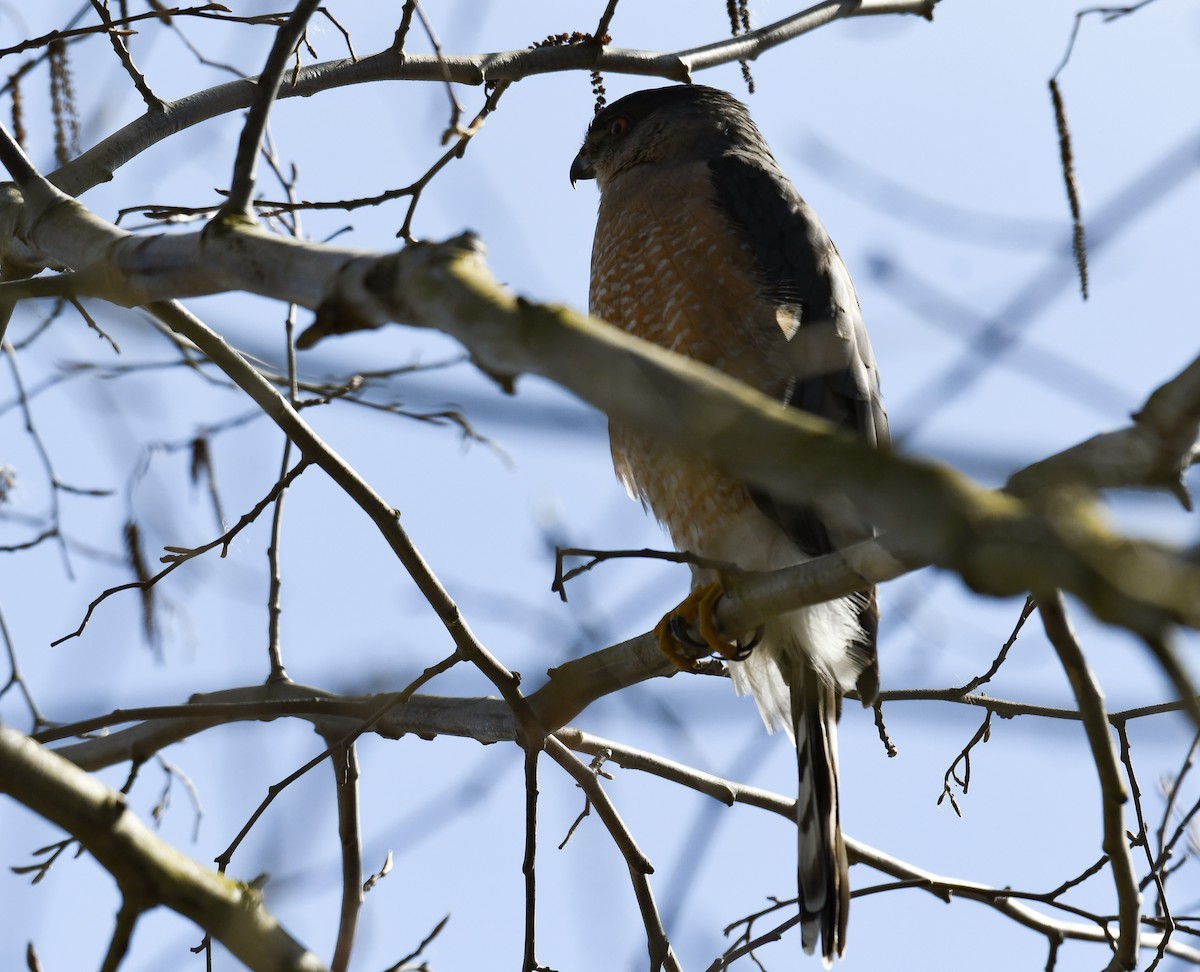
799, 267
831, 364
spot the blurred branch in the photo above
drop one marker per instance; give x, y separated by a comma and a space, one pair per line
1153, 452
118, 946
932, 304
1006, 326
148, 871
999, 544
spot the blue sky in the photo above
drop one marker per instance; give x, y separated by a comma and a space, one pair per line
930, 152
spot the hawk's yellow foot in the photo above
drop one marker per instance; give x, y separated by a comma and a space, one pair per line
695, 609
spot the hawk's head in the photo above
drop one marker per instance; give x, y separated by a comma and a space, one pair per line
677, 124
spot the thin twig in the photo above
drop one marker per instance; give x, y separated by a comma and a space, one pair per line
597, 557
385, 517
274, 608
982, 735
986, 677
16, 678
1173, 795
112, 26
241, 186
181, 555
662, 956
456, 151
1142, 839
748, 945
529, 863
453, 128
416, 952
153, 102
43, 455
339, 744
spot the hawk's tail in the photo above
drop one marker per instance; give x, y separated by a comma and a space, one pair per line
824, 885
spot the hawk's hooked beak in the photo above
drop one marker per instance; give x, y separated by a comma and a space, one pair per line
581, 168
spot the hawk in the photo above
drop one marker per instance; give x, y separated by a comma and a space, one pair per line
705, 247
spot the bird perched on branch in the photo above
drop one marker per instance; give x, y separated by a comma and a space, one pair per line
705, 247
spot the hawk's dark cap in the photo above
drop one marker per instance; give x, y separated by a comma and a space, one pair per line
695, 99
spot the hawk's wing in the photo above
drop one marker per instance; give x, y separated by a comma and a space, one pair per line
831, 366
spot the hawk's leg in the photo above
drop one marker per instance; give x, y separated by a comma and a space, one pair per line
697, 609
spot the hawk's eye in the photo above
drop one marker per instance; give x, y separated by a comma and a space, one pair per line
618, 127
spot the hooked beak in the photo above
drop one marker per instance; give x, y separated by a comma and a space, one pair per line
581, 168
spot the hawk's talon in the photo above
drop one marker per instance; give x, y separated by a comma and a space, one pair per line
743, 651
675, 637
681, 631
671, 646
706, 612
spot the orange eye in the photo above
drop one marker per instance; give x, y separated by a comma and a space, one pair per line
618, 127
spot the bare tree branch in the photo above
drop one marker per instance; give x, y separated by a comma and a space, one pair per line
149, 871
266, 89
1043, 532
999, 545
345, 770
102, 160
1104, 753
662, 956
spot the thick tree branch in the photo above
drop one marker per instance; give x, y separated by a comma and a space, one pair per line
999, 544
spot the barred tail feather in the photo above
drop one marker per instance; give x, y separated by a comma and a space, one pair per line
823, 883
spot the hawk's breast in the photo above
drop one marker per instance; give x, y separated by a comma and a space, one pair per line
667, 267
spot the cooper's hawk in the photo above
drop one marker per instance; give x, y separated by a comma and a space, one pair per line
704, 246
